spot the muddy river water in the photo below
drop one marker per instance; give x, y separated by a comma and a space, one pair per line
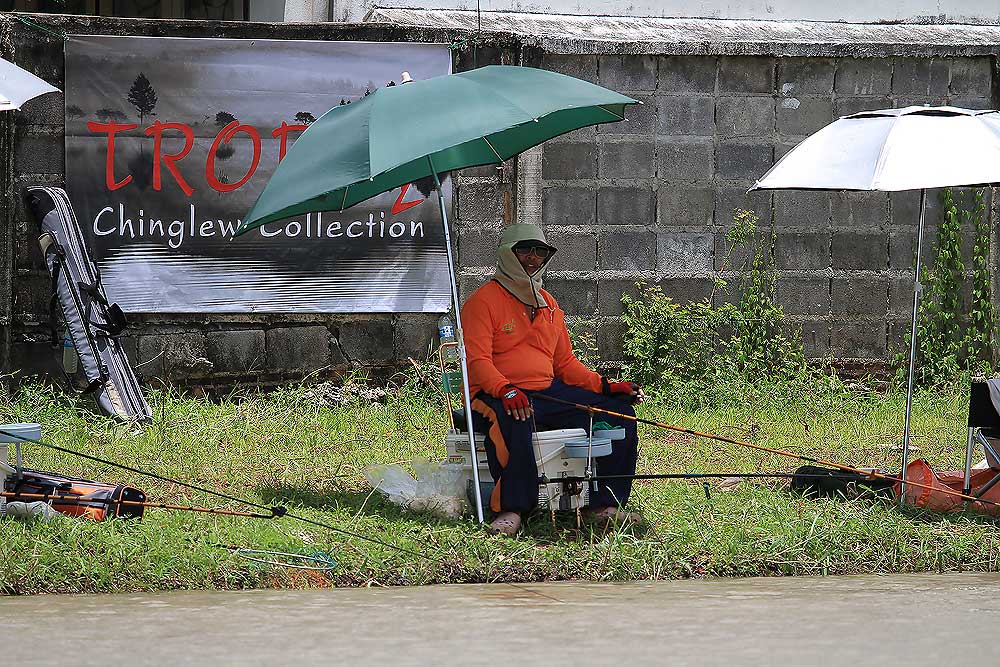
908, 619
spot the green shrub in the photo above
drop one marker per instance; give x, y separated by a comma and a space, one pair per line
702, 349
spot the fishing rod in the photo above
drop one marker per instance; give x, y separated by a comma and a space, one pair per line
694, 475
870, 474
63, 499
593, 479
275, 511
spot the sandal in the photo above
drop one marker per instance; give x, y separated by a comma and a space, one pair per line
612, 516
507, 523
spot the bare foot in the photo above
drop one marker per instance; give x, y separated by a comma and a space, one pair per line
507, 523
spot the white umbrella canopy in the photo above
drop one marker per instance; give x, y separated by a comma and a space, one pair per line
17, 86
891, 150
894, 149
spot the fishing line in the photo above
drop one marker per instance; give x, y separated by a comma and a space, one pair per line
275, 510
870, 474
324, 563
38, 26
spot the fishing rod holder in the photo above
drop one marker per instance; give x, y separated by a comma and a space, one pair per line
590, 451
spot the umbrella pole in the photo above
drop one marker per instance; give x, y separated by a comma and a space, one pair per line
460, 337
917, 289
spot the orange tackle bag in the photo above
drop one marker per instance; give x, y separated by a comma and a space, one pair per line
938, 498
75, 496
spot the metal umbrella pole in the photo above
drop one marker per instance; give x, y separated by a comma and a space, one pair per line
969, 444
460, 337
917, 290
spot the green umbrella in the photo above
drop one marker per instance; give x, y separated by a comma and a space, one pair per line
400, 134
391, 137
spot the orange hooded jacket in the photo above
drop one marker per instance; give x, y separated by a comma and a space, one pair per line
505, 346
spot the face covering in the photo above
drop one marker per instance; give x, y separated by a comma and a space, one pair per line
511, 275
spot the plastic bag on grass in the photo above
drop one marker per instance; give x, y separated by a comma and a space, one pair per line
37, 510
437, 489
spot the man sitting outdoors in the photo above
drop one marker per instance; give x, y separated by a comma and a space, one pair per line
518, 345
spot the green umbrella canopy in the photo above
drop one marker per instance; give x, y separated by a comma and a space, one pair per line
383, 141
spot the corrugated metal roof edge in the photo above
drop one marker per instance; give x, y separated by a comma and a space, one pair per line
568, 34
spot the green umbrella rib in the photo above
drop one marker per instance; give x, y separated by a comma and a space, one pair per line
487, 140
622, 117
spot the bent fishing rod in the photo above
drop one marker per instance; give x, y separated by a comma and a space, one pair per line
869, 473
275, 511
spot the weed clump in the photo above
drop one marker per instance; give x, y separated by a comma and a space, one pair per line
729, 345
332, 394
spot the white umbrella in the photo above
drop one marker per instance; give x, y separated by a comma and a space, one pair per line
892, 150
17, 86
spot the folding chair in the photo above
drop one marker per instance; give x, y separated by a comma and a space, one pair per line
984, 430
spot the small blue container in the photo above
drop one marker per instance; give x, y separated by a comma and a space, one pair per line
577, 449
31, 431
613, 433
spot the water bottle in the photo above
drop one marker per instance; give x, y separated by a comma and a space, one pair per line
446, 334
69, 359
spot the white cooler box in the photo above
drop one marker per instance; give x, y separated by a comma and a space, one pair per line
550, 445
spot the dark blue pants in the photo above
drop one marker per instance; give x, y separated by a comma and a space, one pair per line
511, 454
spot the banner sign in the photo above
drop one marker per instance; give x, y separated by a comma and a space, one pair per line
169, 141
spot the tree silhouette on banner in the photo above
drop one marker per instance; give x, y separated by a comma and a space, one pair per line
142, 96
225, 149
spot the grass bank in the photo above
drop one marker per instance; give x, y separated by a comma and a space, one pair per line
303, 450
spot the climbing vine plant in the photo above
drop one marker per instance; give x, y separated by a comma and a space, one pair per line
955, 335
980, 340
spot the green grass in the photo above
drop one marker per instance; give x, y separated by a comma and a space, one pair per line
291, 447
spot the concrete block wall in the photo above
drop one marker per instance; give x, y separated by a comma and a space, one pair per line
652, 198
648, 199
